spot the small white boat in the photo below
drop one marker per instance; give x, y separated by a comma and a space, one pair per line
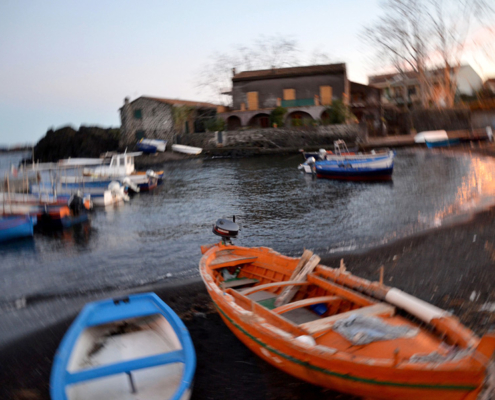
130, 348
180, 148
431, 136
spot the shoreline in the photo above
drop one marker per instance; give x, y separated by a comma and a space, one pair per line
450, 266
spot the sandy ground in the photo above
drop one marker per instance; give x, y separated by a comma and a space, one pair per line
452, 267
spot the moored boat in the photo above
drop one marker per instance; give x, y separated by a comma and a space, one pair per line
335, 330
133, 347
151, 146
422, 137
180, 148
15, 227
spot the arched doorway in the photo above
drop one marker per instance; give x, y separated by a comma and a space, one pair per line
325, 118
233, 123
300, 118
260, 121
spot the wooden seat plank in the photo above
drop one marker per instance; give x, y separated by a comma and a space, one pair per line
236, 282
325, 324
230, 260
304, 303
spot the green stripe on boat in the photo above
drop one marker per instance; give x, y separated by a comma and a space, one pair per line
346, 376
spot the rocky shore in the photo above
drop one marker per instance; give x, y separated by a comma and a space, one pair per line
451, 267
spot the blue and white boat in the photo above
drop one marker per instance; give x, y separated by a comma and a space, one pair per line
16, 227
134, 347
343, 165
151, 146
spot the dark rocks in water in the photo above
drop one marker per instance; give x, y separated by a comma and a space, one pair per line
88, 141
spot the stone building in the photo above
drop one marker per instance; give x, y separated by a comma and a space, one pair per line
306, 92
154, 118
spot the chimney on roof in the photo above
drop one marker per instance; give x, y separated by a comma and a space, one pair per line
233, 71
126, 100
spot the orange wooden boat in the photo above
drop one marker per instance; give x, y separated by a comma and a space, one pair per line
433, 357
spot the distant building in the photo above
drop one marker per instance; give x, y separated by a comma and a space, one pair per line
306, 92
365, 103
153, 118
403, 89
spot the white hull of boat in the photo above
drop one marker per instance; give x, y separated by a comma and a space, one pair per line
100, 197
430, 136
180, 148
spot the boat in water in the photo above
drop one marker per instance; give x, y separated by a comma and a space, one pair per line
14, 227
180, 148
431, 136
151, 146
333, 329
132, 347
48, 212
345, 165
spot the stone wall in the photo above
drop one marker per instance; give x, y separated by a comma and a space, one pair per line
483, 118
274, 138
441, 119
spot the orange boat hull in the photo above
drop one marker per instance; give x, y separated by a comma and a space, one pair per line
337, 370
348, 378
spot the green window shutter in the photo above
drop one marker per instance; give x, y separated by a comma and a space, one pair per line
138, 114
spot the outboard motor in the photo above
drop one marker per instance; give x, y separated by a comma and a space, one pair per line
76, 203
151, 174
322, 154
226, 229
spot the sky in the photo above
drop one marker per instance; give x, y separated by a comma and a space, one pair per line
73, 62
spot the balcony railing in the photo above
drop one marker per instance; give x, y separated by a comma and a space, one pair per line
298, 103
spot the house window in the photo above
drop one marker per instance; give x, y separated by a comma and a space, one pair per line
411, 90
289, 94
138, 114
139, 135
252, 100
326, 95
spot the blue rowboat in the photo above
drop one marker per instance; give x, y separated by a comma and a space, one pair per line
146, 148
431, 144
16, 227
151, 146
127, 348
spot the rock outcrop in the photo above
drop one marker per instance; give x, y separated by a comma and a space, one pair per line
88, 141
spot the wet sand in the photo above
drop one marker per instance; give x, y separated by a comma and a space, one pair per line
452, 267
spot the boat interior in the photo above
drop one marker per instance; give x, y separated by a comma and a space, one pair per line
255, 278
138, 340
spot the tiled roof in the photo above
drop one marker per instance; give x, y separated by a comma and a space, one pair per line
290, 72
179, 102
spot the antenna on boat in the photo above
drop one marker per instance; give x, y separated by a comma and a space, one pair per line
226, 229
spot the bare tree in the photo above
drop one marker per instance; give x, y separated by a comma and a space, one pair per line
265, 52
452, 24
413, 35
399, 36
